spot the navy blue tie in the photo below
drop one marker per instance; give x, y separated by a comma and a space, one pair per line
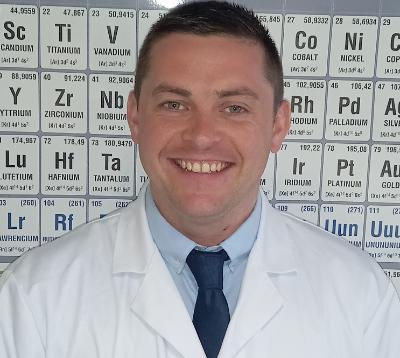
211, 312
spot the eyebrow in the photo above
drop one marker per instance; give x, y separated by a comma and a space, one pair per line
164, 88
241, 91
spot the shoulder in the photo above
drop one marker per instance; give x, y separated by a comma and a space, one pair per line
76, 251
324, 257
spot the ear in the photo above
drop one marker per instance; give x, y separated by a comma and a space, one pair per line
132, 115
281, 125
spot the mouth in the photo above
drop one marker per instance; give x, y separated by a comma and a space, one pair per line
203, 166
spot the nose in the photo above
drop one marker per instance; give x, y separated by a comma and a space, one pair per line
202, 131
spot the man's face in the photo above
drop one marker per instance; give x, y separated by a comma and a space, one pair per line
205, 125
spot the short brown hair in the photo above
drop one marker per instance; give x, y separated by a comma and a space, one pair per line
214, 18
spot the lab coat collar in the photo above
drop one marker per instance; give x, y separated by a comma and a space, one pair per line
157, 301
260, 301
159, 304
275, 241
134, 247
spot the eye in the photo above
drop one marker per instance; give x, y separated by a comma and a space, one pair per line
173, 106
235, 109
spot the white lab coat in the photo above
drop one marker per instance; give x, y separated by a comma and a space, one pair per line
104, 291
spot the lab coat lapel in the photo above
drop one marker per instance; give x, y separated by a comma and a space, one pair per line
157, 301
259, 300
159, 304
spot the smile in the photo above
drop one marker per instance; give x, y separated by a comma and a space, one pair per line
201, 166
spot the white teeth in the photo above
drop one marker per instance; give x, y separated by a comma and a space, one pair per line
205, 168
201, 167
196, 167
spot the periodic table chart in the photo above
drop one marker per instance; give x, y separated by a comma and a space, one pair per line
66, 157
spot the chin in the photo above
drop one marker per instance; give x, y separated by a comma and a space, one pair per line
202, 206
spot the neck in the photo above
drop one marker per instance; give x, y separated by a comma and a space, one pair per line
208, 230
206, 233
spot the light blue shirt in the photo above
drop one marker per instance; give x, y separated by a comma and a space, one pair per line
175, 247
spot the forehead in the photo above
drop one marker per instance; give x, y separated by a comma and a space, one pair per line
206, 58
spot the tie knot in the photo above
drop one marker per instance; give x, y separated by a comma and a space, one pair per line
207, 267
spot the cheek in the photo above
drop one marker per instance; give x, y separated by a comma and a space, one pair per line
148, 141
149, 130
259, 148
255, 149
156, 139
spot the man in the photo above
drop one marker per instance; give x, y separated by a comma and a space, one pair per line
206, 112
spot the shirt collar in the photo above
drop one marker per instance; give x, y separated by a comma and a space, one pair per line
174, 246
